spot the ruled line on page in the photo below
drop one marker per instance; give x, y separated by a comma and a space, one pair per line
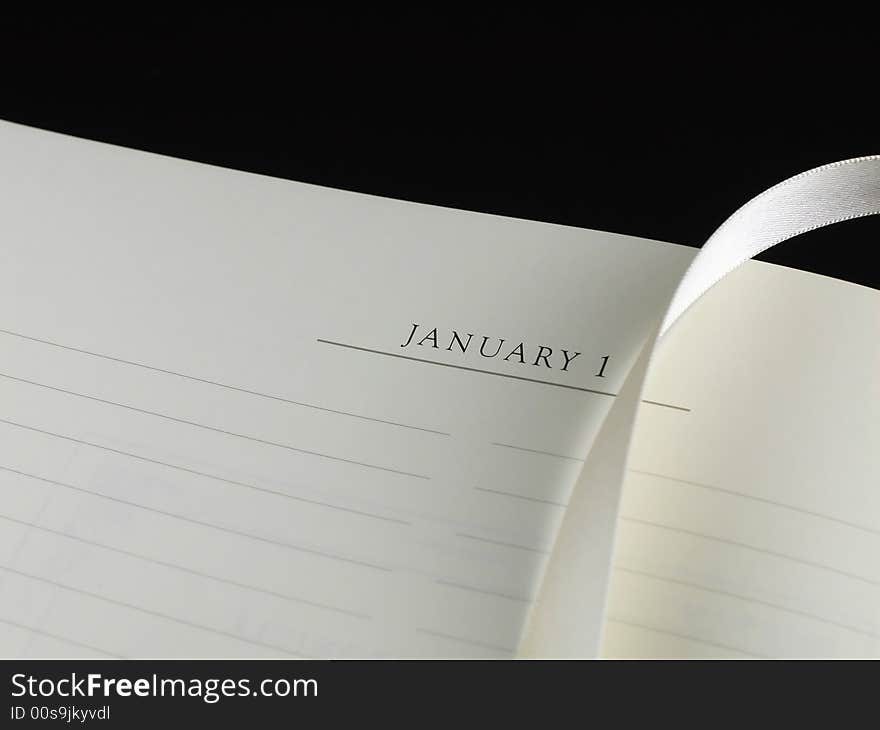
746, 599
216, 527
746, 546
666, 477
501, 493
686, 637
537, 451
195, 472
464, 640
183, 568
200, 523
148, 611
490, 372
475, 589
58, 637
500, 543
763, 500
214, 429
218, 384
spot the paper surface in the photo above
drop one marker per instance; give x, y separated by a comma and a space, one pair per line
750, 526
819, 197
216, 440
246, 417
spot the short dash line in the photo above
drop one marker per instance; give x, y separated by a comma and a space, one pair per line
474, 589
537, 451
521, 496
503, 544
463, 640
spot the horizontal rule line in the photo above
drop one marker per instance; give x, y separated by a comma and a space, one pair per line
490, 372
206, 381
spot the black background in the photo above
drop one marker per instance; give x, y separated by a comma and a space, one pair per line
657, 125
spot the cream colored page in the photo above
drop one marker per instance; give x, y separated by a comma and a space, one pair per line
217, 440
750, 525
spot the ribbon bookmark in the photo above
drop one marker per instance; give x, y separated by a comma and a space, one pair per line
568, 615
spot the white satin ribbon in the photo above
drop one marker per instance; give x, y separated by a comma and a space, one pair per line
814, 199
568, 614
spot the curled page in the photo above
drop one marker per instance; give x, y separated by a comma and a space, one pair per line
568, 609
242, 416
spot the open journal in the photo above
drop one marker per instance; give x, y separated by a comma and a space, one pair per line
242, 416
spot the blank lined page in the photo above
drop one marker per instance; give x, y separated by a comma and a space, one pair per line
247, 417
750, 524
